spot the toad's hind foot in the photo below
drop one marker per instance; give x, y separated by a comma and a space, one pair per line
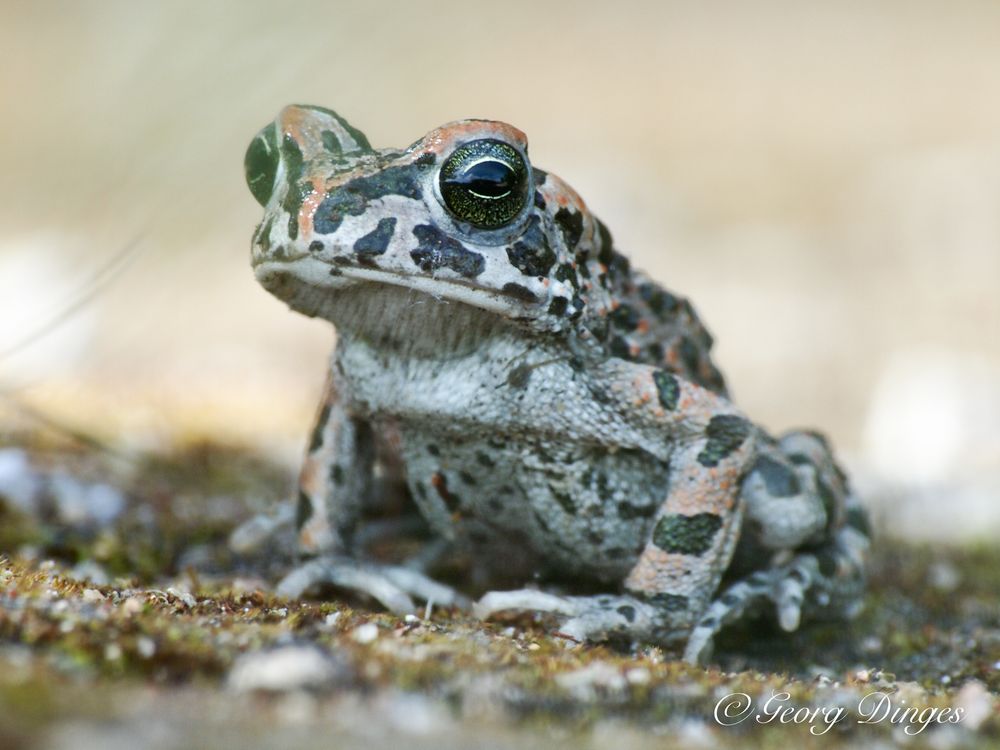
588, 618
829, 582
393, 586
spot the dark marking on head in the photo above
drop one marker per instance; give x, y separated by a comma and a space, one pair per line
687, 535
539, 200
557, 306
352, 131
655, 351
262, 237
571, 224
484, 460
567, 274
519, 292
725, 433
316, 246
426, 159
438, 250
778, 478
337, 474
291, 154
467, 478
433, 450
376, 241
352, 198
531, 255
330, 142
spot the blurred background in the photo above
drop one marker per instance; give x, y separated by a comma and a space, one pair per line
821, 179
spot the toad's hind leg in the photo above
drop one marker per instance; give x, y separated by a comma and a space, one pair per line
692, 536
335, 485
802, 515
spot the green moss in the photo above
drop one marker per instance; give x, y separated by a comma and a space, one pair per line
114, 639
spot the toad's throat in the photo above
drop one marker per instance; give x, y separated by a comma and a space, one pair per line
410, 322
397, 318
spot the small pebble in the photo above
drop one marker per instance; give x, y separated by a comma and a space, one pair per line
977, 703
638, 676
365, 633
133, 605
286, 668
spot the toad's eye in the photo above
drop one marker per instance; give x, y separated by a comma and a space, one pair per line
485, 183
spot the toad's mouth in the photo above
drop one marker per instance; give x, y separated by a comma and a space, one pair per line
315, 288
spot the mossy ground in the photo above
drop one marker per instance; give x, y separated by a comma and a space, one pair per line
145, 659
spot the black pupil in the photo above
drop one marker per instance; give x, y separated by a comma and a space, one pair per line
489, 179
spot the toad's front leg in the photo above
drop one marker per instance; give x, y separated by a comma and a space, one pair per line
334, 484
691, 539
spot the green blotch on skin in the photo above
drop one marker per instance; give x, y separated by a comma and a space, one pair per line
667, 388
260, 164
725, 434
686, 535
292, 156
356, 134
330, 142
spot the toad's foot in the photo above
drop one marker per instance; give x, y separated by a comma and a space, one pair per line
393, 586
785, 587
589, 618
829, 583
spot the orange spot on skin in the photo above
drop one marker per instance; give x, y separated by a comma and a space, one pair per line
309, 205
643, 326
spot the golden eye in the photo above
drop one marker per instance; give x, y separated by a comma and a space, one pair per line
485, 183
